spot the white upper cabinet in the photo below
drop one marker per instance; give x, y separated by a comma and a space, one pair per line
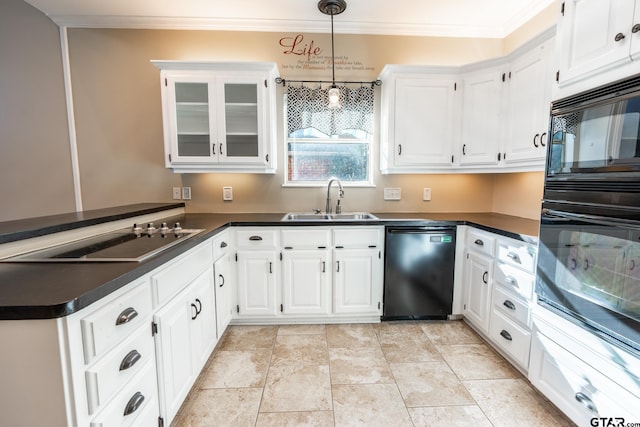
528, 99
598, 40
481, 115
219, 116
417, 119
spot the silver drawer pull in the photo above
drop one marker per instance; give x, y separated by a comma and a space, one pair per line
223, 244
510, 305
133, 404
506, 335
130, 359
511, 280
255, 238
588, 403
515, 257
127, 315
479, 242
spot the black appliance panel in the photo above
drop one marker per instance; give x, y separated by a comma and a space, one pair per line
419, 268
589, 270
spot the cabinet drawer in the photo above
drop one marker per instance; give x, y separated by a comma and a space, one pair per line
518, 254
179, 273
575, 387
306, 239
514, 279
511, 338
513, 308
112, 323
252, 238
369, 237
221, 244
132, 400
480, 241
118, 367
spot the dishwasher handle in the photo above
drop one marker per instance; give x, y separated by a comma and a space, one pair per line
419, 230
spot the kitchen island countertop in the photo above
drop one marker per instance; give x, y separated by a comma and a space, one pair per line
52, 290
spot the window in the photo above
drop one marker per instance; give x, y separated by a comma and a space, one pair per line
324, 142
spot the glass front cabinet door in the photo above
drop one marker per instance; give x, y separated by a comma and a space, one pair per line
219, 116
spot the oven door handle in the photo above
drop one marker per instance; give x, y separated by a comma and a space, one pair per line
562, 216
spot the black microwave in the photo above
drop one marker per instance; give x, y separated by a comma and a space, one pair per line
595, 136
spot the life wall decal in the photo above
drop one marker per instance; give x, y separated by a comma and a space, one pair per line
303, 53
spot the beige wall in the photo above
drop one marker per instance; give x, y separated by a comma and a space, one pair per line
545, 19
119, 119
35, 160
518, 194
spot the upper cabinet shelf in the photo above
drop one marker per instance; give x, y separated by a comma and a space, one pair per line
219, 116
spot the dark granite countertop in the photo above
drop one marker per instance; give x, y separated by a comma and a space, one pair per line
51, 290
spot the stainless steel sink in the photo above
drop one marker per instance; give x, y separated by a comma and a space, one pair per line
360, 216
310, 216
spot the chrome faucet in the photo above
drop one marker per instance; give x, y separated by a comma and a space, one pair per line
328, 207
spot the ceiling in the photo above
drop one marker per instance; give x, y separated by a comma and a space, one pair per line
448, 18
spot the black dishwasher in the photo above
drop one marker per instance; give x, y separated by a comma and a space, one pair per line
418, 274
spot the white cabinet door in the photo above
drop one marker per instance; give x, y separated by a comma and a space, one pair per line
357, 281
185, 339
305, 282
173, 355
190, 119
478, 283
481, 108
257, 281
528, 103
635, 34
203, 324
223, 292
594, 35
423, 116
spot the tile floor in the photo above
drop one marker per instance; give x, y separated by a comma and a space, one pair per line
388, 374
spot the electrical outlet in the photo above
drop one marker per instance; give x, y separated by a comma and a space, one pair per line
186, 193
426, 194
177, 193
392, 193
227, 193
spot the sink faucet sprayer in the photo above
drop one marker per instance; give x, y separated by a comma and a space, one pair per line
328, 207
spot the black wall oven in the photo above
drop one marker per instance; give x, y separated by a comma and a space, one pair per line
589, 254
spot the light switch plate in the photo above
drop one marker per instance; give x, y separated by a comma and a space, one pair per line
426, 194
392, 193
227, 193
186, 193
177, 193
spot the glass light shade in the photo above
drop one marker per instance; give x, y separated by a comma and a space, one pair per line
334, 97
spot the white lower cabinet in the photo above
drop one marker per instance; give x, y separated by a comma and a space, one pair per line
305, 281
224, 279
186, 336
256, 281
478, 275
356, 281
309, 274
584, 376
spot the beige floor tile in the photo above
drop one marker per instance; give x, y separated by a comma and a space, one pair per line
297, 388
391, 332
450, 416
359, 365
221, 408
295, 419
300, 349
450, 332
476, 362
510, 402
429, 384
411, 351
351, 335
234, 369
301, 329
248, 338
369, 405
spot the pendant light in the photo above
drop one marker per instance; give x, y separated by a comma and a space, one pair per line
333, 7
